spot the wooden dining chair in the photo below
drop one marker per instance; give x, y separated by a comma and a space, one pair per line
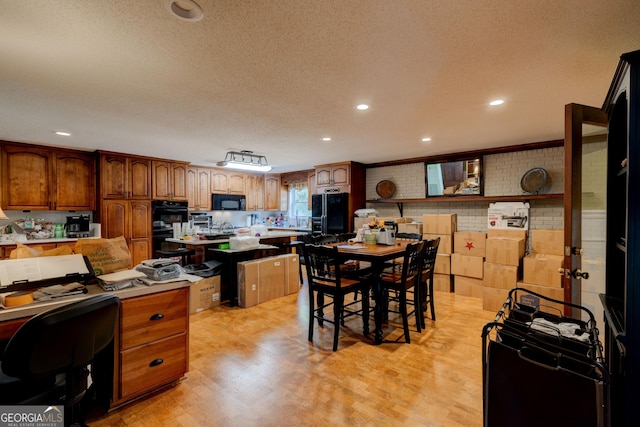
408, 278
298, 244
325, 279
426, 278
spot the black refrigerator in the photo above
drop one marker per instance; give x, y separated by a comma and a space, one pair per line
330, 213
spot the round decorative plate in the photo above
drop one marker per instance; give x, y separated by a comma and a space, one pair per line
385, 189
534, 180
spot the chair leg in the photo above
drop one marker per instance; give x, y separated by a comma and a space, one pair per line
320, 303
433, 310
405, 320
300, 272
417, 306
338, 303
311, 316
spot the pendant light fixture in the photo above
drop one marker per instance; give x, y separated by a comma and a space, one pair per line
245, 160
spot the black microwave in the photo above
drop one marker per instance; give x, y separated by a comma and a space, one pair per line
228, 202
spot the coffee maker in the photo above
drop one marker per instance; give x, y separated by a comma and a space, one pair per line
78, 226
387, 234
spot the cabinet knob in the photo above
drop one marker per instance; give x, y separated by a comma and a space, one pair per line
156, 362
157, 316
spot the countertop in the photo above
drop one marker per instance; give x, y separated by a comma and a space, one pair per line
38, 241
271, 235
29, 310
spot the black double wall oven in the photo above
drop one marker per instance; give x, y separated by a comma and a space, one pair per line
165, 213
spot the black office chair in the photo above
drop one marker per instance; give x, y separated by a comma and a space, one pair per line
46, 361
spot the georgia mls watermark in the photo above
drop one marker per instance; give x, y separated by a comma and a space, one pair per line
31, 416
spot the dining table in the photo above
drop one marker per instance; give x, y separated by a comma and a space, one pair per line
377, 256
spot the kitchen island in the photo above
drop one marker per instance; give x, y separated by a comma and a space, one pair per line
273, 243
281, 238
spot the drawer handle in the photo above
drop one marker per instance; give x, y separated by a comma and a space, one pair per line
157, 316
156, 363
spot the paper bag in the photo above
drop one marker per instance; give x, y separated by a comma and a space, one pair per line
105, 255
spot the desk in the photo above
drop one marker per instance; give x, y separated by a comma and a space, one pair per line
140, 338
230, 258
377, 256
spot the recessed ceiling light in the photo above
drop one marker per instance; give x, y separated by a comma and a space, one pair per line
496, 102
426, 139
362, 107
57, 132
187, 10
326, 139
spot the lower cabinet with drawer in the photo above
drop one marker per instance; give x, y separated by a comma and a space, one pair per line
153, 342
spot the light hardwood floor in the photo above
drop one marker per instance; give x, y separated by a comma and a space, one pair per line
255, 367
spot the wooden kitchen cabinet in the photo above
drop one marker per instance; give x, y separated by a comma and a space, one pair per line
124, 177
272, 192
199, 188
131, 219
39, 178
153, 343
255, 192
336, 175
74, 181
231, 182
169, 180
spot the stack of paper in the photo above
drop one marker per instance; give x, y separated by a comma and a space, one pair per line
119, 280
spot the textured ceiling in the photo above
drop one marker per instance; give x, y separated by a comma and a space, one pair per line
275, 77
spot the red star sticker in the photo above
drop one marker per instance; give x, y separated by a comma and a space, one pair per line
469, 245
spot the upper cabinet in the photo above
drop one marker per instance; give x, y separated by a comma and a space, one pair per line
255, 192
75, 175
38, 178
333, 175
125, 177
272, 192
223, 181
199, 188
169, 180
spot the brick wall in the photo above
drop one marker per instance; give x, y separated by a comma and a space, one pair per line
502, 174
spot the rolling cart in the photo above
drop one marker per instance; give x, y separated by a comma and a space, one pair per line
541, 368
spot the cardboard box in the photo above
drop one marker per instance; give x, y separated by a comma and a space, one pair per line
291, 273
446, 242
493, 298
516, 233
467, 265
505, 250
468, 286
500, 276
248, 282
542, 269
543, 305
204, 294
439, 223
470, 243
442, 283
410, 227
549, 242
272, 277
443, 264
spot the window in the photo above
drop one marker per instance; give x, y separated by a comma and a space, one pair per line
299, 212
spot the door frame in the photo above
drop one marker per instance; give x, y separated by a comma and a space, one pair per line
575, 116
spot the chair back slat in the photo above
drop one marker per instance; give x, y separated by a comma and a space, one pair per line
323, 265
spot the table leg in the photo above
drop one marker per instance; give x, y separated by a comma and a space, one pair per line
378, 310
